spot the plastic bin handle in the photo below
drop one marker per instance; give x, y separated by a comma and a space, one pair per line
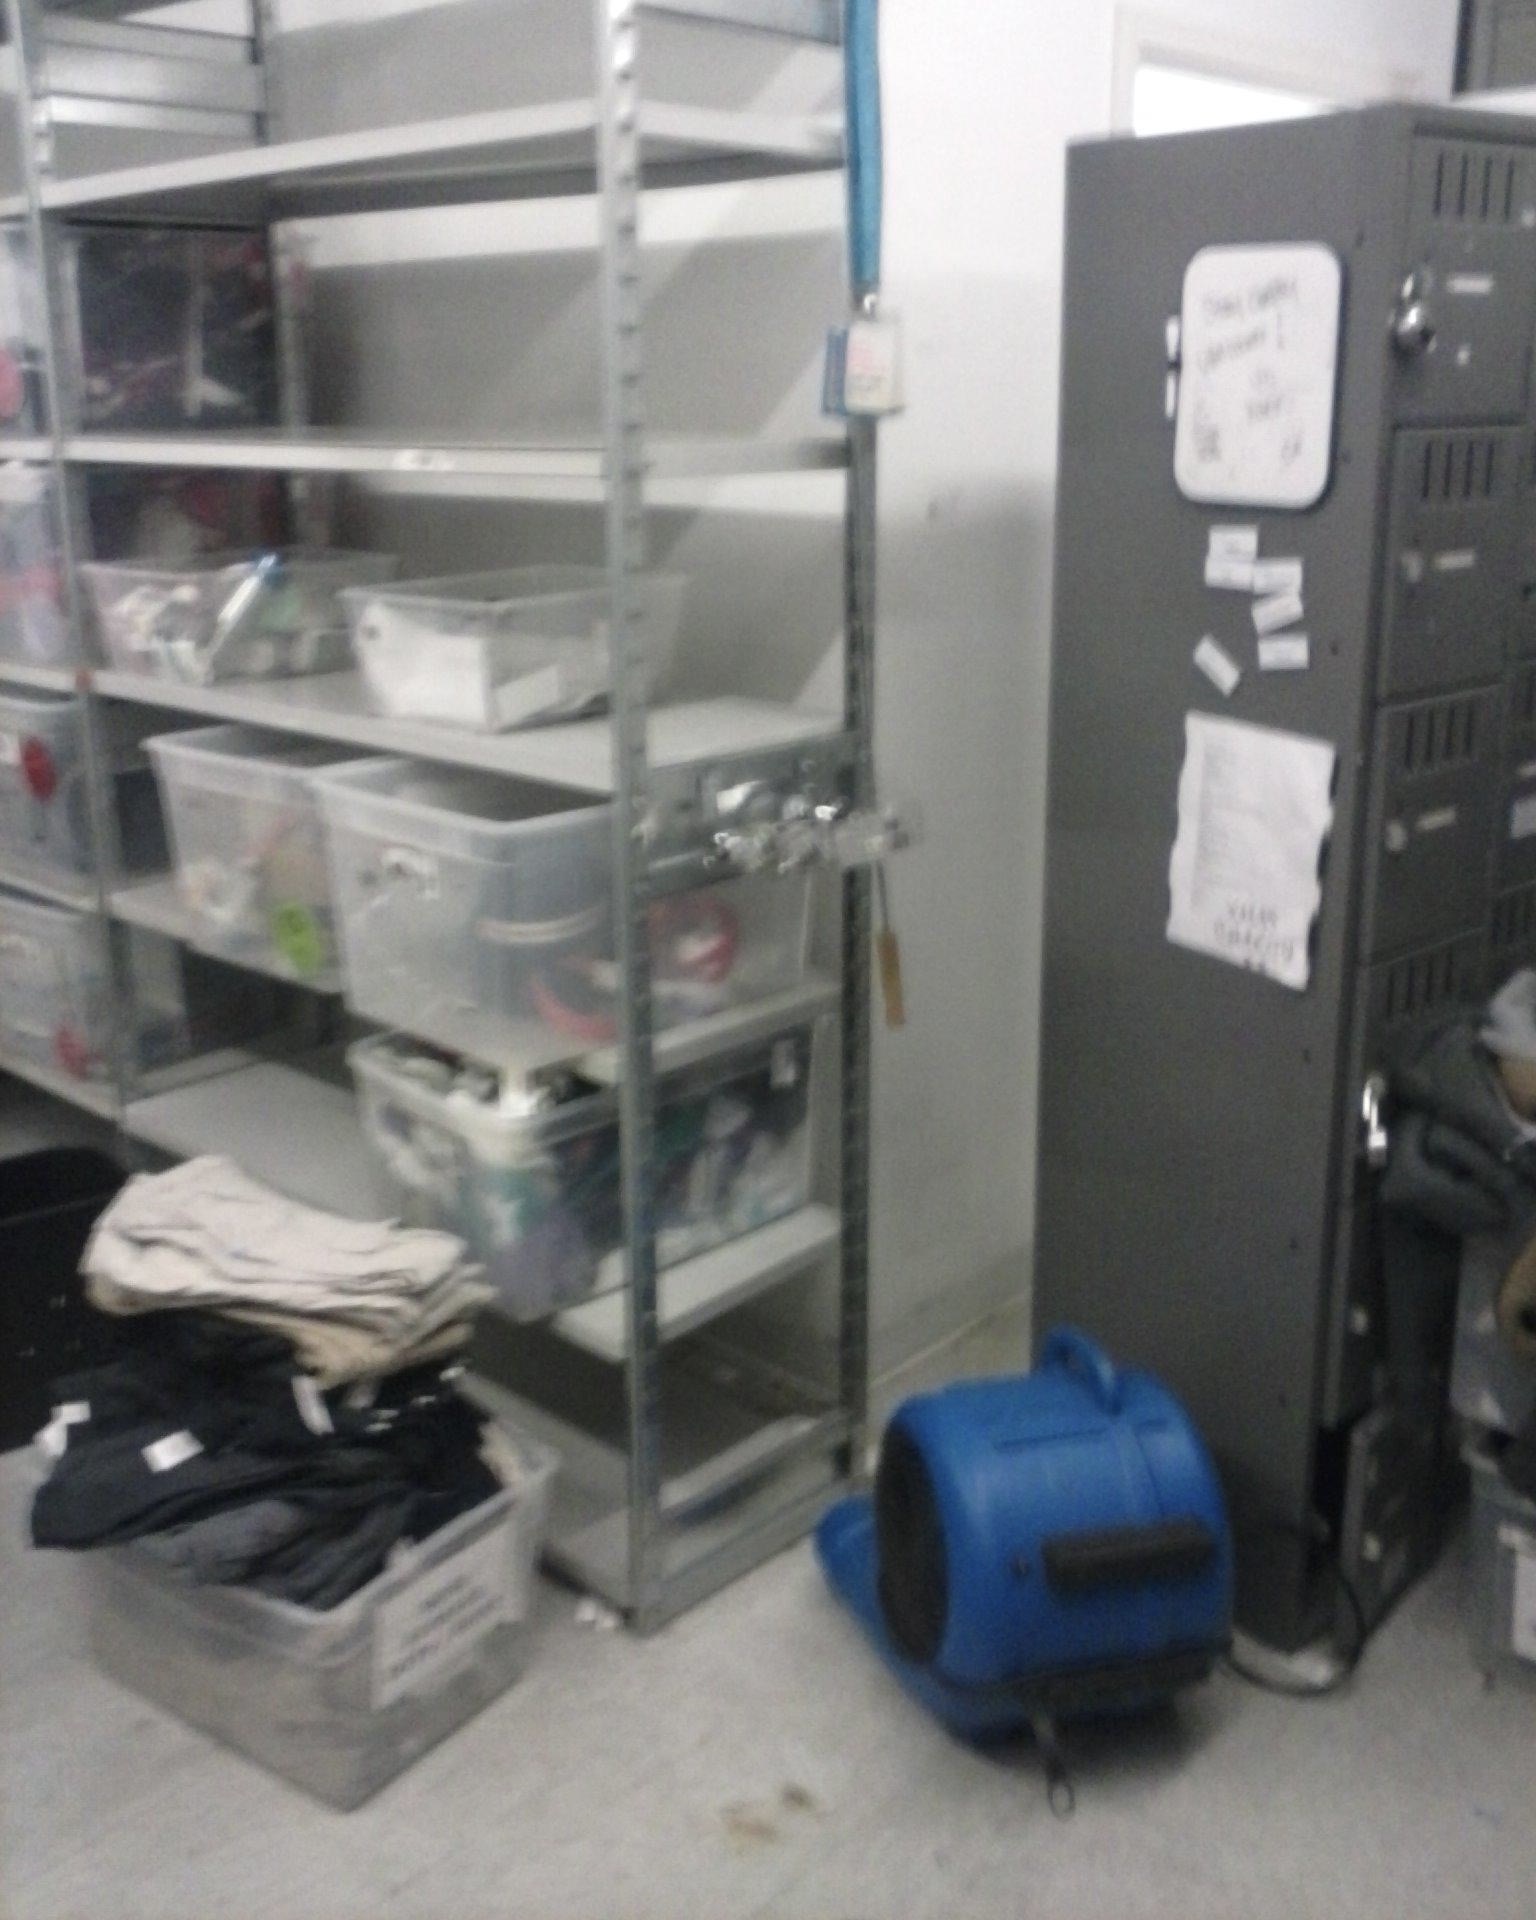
1068, 1350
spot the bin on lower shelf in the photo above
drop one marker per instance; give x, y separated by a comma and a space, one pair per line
250, 852
473, 910
337, 1702
536, 1194
55, 987
497, 650
1501, 1601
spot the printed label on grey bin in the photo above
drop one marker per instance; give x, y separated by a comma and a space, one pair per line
437, 1620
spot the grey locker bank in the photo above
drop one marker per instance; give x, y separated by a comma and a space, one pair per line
1205, 1203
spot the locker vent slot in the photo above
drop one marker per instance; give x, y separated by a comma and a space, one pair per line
1514, 922
1475, 184
1421, 983
1458, 467
1442, 735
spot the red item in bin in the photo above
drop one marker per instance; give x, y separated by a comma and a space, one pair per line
39, 769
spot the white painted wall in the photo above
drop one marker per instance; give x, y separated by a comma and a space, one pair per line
981, 99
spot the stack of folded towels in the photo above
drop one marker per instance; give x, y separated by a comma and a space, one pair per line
283, 1411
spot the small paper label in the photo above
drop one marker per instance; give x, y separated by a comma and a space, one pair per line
1235, 543
439, 1617
1522, 1625
1455, 560
73, 1413
1279, 610
173, 1451
1522, 818
1436, 821
1229, 571
310, 1402
1284, 653
1277, 576
1469, 286
1218, 666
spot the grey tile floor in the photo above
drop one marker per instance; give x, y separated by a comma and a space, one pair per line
754, 1761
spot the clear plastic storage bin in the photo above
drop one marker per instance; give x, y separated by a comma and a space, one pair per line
34, 622
479, 914
337, 1702
536, 1192
22, 329
226, 616
497, 650
45, 812
249, 848
55, 987
1501, 1609
447, 885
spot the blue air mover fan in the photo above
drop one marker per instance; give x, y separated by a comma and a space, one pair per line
1039, 1547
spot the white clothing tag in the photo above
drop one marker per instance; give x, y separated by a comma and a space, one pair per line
1234, 543
310, 1402
1229, 570
872, 366
1277, 576
173, 1451
1284, 653
1522, 1625
73, 1413
1522, 818
10, 749
1218, 666
440, 1616
1279, 610
51, 1440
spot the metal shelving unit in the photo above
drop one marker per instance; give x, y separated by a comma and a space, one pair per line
681, 1469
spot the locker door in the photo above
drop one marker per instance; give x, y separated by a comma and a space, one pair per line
1434, 786
1464, 316
1450, 595
1515, 828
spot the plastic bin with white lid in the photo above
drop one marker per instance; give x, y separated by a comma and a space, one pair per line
249, 846
499, 650
338, 1702
535, 1190
230, 616
1501, 1609
479, 914
55, 987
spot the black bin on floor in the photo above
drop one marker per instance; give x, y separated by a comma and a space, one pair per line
48, 1204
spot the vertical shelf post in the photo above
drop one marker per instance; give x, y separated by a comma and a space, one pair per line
616, 40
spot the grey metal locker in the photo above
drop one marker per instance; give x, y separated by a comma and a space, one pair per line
1203, 1202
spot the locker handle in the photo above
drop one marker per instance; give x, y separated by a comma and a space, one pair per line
1373, 1098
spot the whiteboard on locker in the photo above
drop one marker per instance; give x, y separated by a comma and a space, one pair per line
1258, 372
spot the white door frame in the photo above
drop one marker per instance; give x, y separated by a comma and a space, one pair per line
1164, 39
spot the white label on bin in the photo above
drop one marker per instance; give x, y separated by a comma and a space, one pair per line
1522, 1624
173, 1451
10, 749
442, 1614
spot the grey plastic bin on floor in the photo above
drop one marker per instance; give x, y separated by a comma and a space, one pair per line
339, 1703
1501, 1594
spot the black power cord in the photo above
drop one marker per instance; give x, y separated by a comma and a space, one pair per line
1349, 1661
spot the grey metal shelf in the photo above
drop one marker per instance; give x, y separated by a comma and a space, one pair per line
154, 905
22, 446
555, 470
535, 152
579, 756
20, 673
666, 1521
697, 1291
61, 890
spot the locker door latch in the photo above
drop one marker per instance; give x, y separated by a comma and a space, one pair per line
1375, 1142
1413, 317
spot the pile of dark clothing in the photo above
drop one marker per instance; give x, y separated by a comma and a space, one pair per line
1462, 1162
286, 1421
